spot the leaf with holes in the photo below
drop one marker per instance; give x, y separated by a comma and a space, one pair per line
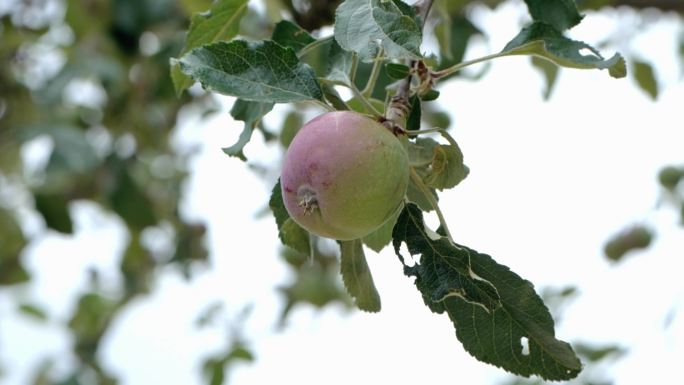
542, 40
498, 316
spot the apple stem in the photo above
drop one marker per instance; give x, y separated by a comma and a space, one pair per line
362, 98
312, 249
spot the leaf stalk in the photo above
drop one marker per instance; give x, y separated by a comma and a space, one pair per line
462, 65
311, 46
428, 195
373, 78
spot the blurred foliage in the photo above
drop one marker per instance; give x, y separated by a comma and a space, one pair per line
86, 82
316, 279
89, 86
216, 367
595, 357
636, 237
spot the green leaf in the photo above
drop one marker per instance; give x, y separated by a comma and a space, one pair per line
262, 71
415, 114
357, 276
560, 14
447, 168
290, 233
33, 311
289, 34
421, 152
633, 238
193, 6
209, 315
127, 196
221, 22
366, 26
436, 118
216, 369
291, 125
250, 113
544, 41
493, 310
415, 195
440, 166
293, 235
190, 247
550, 73
316, 285
645, 78
670, 176
72, 155
420, 157
339, 63
397, 71
429, 96
54, 209
378, 239
595, 353
333, 97
356, 105
454, 33
90, 320
12, 243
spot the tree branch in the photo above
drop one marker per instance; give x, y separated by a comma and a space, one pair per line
399, 105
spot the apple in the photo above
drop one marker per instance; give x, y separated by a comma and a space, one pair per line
344, 175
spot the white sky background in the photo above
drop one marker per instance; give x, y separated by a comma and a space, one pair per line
549, 183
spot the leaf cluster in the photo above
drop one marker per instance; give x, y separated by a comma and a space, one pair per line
375, 53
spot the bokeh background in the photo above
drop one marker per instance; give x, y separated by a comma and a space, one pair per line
134, 251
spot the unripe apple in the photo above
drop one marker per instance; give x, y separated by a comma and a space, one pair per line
344, 175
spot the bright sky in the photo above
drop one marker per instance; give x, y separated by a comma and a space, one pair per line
549, 183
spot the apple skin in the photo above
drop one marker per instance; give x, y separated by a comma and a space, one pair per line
344, 175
